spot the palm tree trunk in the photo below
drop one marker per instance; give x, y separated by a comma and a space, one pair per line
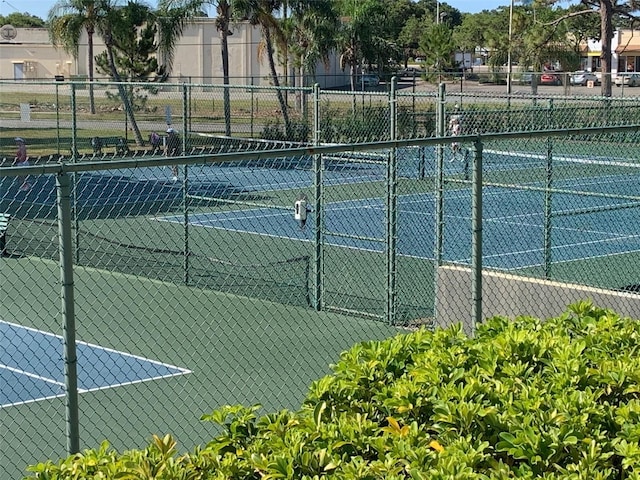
92, 101
276, 83
223, 27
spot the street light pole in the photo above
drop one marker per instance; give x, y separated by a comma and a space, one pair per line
437, 12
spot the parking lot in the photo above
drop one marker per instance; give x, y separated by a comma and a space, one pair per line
470, 86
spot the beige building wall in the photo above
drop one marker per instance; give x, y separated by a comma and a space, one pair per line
198, 57
30, 56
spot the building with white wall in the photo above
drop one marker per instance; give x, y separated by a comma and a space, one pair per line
27, 54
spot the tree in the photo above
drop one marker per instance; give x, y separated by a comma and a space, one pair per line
397, 15
22, 20
182, 12
437, 43
261, 13
607, 11
361, 19
468, 35
134, 44
67, 19
135, 50
110, 25
310, 35
409, 38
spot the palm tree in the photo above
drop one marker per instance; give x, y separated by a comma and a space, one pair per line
361, 18
178, 14
67, 19
310, 32
261, 13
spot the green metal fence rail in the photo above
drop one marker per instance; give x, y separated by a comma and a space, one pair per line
134, 302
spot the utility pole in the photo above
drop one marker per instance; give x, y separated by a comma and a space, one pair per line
509, 66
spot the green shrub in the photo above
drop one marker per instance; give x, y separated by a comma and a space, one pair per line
523, 399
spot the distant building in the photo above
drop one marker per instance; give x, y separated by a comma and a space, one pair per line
627, 51
27, 54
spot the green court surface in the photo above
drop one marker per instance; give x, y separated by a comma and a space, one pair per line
236, 311
238, 349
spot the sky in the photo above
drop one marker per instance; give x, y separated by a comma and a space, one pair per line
40, 8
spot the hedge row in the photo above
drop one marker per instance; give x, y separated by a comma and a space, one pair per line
524, 398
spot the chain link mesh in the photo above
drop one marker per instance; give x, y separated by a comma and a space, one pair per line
196, 283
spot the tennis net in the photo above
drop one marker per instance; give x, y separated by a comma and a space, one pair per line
283, 280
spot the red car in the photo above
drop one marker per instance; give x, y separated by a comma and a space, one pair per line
550, 79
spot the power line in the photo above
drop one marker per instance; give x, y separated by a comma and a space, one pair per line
5, 1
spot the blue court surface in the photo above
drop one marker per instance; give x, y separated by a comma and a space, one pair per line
513, 226
31, 370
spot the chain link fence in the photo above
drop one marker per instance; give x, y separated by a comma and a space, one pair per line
142, 288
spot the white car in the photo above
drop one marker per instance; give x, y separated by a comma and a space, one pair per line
628, 79
582, 77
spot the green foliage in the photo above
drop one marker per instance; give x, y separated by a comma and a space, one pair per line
368, 124
273, 130
22, 20
524, 398
437, 42
134, 51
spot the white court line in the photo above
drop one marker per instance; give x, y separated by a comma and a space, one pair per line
564, 158
31, 375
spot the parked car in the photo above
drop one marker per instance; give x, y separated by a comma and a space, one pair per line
550, 79
369, 80
628, 79
526, 78
582, 77
410, 72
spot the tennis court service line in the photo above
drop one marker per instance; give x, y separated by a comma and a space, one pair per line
563, 158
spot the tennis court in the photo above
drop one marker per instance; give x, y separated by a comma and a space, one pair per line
200, 292
30, 369
588, 210
512, 215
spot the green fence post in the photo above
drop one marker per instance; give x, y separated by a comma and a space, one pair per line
392, 211
440, 132
548, 205
185, 178
58, 118
476, 240
74, 175
439, 180
319, 204
63, 185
